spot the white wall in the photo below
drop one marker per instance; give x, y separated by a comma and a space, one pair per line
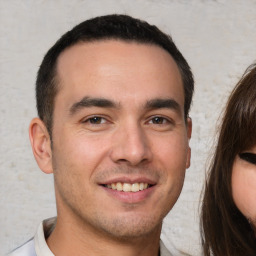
218, 38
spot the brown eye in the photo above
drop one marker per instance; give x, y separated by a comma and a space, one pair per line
249, 157
95, 120
158, 120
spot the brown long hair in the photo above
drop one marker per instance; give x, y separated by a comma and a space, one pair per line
224, 230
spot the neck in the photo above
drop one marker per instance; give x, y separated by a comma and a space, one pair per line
72, 238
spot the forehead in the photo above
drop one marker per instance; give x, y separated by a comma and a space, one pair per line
116, 68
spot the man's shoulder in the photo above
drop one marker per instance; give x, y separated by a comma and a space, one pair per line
163, 250
171, 251
37, 245
27, 249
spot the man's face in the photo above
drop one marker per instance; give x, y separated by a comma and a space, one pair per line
120, 142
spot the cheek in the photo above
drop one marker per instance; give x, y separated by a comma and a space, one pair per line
172, 156
244, 191
75, 160
173, 152
83, 151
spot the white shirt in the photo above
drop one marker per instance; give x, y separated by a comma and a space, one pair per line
37, 246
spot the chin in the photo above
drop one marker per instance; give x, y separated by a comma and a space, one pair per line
131, 228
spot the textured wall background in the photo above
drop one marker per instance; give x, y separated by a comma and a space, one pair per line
216, 37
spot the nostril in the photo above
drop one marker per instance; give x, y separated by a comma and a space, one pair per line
130, 146
122, 160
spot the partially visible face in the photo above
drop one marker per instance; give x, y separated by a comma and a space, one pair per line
120, 141
244, 184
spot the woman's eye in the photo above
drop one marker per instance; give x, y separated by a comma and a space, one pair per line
158, 120
249, 157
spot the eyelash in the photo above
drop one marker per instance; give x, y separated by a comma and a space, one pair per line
154, 120
164, 120
88, 120
249, 157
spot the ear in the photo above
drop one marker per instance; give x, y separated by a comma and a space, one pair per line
41, 145
189, 133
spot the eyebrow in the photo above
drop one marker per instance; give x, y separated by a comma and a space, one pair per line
92, 102
249, 157
164, 103
87, 102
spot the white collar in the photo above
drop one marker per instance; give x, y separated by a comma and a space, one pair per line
43, 231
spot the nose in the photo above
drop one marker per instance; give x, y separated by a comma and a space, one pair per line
131, 146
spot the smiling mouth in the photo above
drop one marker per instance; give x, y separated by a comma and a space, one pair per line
128, 187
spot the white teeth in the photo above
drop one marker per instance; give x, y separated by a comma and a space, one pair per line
119, 186
128, 187
135, 187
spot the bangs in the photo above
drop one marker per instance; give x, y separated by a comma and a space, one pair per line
242, 110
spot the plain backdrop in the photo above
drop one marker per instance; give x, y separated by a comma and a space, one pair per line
218, 39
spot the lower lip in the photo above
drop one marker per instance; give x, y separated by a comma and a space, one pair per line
130, 197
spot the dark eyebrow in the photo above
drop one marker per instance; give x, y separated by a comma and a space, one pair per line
164, 103
249, 157
87, 102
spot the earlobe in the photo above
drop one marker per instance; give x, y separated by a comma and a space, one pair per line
41, 145
189, 133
